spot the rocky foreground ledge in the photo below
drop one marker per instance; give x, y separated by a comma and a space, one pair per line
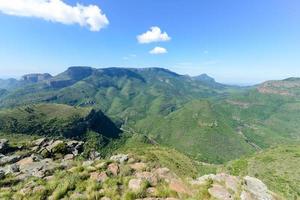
52, 169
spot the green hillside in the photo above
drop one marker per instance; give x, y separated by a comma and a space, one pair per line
206, 120
55, 120
200, 129
278, 167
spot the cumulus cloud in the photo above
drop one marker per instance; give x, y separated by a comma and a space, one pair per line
89, 16
158, 50
153, 35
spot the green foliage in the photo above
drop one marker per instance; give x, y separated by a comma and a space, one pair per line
56, 120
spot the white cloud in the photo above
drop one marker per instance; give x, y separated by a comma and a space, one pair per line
89, 16
153, 35
158, 50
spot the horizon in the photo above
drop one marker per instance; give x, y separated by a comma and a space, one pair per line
227, 83
232, 41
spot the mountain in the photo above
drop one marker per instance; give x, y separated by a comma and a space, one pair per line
206, 120
9, 83
287, 87
34, 78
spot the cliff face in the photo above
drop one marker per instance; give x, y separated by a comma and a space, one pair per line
34, 78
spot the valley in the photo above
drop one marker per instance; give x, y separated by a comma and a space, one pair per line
193, 126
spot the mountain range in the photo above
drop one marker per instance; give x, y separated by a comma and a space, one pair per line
192, 125
204, 119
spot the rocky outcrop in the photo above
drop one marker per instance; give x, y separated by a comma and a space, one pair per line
3, 145
35, 78
123, 176
226, 187
49, 148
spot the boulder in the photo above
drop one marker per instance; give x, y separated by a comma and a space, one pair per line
179, 187
257, 188
148, 176
203, 179
121, 158
99, 177
3, 145
9, 159
220, 192
138, 166
69, 157
14, 168
57, 146
113, 168
135, 185
94, 155
39, 142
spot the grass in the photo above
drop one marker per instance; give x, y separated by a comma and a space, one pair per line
277, 167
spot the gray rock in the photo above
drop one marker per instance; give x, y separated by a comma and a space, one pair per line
14, 168
94, 155
39, 142
257, 188
2, 174
121, 158
9, 159
3, 145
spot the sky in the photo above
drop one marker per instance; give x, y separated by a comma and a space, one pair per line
234, 41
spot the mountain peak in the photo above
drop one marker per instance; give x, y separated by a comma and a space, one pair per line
204, 77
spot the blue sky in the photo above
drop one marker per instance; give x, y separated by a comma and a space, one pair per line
234, 41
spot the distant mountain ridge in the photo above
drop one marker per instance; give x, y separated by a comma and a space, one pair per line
204, 119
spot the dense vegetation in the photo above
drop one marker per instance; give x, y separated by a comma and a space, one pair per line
56, 120
206, 120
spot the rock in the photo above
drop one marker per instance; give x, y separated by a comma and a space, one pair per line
57, 146
151, 191
138, 166
135, 185
94, 155
257, 188
25, 161
2, 174
113, 168
45, 153
99, 177
231, 182
39, 142
220, 192
9, 159
14, 168
36, 157
148, 176
163, 173
38, 169
75, 147
121, 158
69, 157
203, 179
87, 163
245, 196
179, 187
3, 145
